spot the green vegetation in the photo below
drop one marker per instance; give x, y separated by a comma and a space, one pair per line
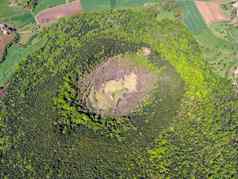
225, 31
94, 5
22, 18
227, 7
191, 111
196, 24
27, 4
15, 54
36, 5
16, 16
19, 18
72, 109
192, 17
44, 4
221, 59
142, 61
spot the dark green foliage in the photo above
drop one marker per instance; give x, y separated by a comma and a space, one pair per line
200, 146
73, 113
195, 110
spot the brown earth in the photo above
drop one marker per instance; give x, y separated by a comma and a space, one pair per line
117, 87
211, 11
4, 41
2, 92
50, 15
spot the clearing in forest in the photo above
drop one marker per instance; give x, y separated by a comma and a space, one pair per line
211, 11
50, 15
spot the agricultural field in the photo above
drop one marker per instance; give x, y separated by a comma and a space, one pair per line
15, 54
224, 49
15, 16
23, 20
191, 16
94, 5
211, 11
44, 4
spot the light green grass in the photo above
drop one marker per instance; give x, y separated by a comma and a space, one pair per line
141, 61
16, 16
95, 5
44, 4
192, 17
14, 57
8, 67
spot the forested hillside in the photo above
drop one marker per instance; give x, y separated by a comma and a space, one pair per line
185, 127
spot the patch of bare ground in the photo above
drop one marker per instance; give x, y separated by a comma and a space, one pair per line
5, 39
117, 87
53, 14
211, 11
2, 92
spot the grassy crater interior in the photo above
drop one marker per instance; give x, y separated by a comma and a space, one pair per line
121, 84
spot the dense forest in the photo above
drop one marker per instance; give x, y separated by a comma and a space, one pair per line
187, 128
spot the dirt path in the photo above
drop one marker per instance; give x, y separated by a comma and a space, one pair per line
211, 11
50, 15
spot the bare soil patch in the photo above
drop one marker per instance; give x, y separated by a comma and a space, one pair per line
2, 92
4, 41
50, 15
211, 11
117, 87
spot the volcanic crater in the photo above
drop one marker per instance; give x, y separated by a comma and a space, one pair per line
119, 86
